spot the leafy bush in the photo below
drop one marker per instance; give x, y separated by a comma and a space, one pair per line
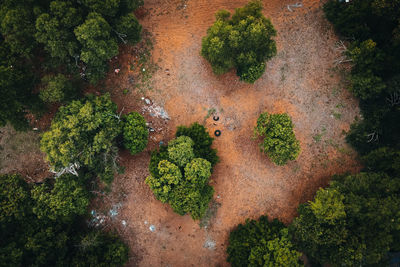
244, 42
135, 132
280, 143
179, 177
84, 132
56, 88
262, 243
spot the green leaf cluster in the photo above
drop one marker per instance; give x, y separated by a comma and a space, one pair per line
40, 225
179, 177
280, 143
84, 132
355, 221
243, 42
135, 132
262, 243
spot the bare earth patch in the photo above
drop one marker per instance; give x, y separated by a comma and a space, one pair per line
300, 80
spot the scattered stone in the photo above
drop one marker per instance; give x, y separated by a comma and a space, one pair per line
148, 102
123, 223
210, 244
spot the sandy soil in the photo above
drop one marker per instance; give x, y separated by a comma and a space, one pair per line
300, 80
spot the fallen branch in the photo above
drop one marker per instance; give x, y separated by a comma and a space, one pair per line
294, 6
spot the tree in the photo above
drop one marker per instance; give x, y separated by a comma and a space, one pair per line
383, 159
280, 143
353, 222
202, 142
30, 239
180, 150
63, 201
128, 29
55, 30
18, 30
14, 198
262, 243
135, 132
97, 45
244, 42
100, 249
56, 88
84, 132
178, 177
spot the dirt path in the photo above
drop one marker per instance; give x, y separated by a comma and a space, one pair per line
299, 80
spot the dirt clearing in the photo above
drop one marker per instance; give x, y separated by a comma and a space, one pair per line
300, 80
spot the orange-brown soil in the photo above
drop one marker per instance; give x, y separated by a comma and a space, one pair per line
300, 80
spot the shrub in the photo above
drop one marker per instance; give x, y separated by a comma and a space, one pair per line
135, 133
280, 143
243, 41
262, 243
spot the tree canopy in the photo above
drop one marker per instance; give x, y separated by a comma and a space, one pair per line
352, 222
40, 225
179, 176
262, 243
135, 132
84, 132
280, 143
243, 42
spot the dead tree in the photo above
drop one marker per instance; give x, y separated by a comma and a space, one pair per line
71, 168
341, 49
393, 99
289, 7
372, 137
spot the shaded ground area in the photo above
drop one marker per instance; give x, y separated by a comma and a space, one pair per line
300, 80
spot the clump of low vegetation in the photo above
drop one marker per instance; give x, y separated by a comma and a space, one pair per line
180, 171
56, 88
280, 143
243, 41
262, 243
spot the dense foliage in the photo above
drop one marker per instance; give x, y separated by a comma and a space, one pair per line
374, 27
179, 174
353, 222
76, 38
135, 132
84, 132
56, 88
280, 143
262, 243
243, 42
40, 225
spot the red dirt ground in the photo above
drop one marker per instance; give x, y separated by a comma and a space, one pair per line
300, 80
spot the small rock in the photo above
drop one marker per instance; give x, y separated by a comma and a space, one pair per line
145, 222
123, 223
152, 228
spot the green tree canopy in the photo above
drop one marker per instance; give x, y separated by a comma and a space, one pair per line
63, 201
55, 30
243, 42
135, 132
352, 222
97, 44
56, 88
280, 143
84, 132
262, 243
178, 177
